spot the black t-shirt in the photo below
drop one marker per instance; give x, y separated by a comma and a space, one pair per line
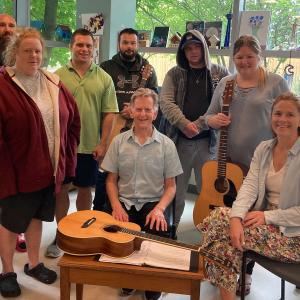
128, 64
197, 98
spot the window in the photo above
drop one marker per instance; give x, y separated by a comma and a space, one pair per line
284, 34
175, 14
53, 27
284, 30
6, 7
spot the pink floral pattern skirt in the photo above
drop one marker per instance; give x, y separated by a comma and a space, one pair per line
264, 239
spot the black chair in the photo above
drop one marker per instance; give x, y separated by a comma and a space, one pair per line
286, 271
171, 226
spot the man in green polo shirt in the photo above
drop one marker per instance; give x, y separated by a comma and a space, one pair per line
94, 92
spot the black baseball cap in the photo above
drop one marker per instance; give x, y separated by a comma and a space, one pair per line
188, 39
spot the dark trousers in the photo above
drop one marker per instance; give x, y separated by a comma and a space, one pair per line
250, 266
139, 217
101, 201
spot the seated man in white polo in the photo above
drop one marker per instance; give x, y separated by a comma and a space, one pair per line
142, 165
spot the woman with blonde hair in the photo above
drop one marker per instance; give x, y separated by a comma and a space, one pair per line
265, 217
254, 92
39, 133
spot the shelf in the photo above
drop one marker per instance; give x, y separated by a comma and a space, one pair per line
173, 50
170, 50
226, 52
56, 44
281, 53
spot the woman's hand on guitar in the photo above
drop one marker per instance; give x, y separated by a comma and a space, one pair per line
236, 233
120, 214
254, 219
125, 112
156, 216
218, 121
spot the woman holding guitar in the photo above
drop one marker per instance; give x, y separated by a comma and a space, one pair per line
248, 121
254, 92
265, 216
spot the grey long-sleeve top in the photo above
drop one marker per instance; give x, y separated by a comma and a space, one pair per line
250, 112
252, 191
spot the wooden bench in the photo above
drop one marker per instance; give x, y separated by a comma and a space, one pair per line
86, 270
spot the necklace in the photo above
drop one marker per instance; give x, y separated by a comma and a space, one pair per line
195, 76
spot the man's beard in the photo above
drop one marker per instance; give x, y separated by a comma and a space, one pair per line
4, 40
128, 56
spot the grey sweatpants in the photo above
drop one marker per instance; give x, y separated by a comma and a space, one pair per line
193, 154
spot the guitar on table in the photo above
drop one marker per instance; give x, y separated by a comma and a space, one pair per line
91, 232
121, 124
221, 179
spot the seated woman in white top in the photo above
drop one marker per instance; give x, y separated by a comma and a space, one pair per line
265, 217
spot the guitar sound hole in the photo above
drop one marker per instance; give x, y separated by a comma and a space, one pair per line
231, 195
112, 228
221, 184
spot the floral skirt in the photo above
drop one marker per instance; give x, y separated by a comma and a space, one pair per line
264, 239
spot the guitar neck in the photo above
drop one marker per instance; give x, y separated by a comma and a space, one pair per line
143, 82
222, 151
223, 262
159, 239
146, 73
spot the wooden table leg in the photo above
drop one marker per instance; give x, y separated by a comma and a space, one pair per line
79, 291
65, 285
195, 293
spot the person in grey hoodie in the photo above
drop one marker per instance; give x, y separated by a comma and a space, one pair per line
185, 97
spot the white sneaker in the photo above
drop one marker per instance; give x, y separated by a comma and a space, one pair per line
53, 251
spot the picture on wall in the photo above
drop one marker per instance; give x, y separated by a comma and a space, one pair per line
94, 23
96, 52
212, 33
197, 25
160, 37
256, 23
144, 37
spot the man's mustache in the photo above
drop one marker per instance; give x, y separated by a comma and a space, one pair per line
6, 34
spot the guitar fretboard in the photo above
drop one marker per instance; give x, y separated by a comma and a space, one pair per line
146, 236
222, 152
159, 239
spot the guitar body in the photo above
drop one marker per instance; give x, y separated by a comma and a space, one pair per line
105, 235
117, 126
221, 179
210, 197
75, 240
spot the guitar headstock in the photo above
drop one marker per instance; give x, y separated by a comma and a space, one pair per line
146, 72
228, 92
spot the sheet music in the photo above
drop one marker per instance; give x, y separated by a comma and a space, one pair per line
156, 255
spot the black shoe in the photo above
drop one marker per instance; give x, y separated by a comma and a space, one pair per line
41, 273
126, 292
9, 286
150, 295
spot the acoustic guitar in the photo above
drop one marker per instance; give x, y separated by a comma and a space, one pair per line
120, 124
90, 232
221, 179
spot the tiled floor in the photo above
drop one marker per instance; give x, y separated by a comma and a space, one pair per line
265, 285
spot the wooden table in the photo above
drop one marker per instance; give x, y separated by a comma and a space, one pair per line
85, 270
